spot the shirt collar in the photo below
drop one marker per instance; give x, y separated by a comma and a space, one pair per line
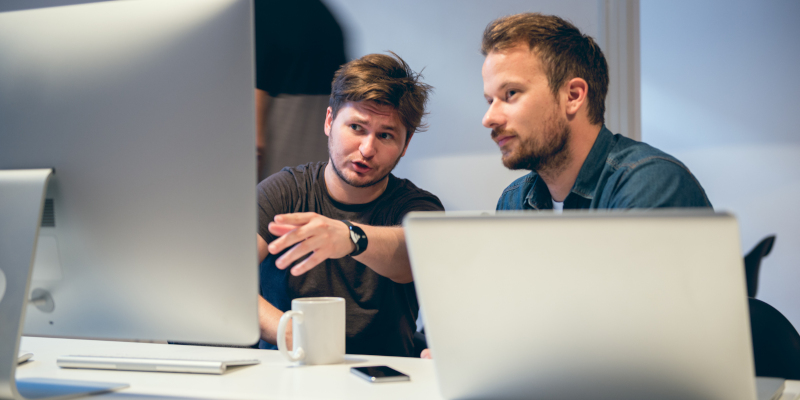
586, 182
538, 198
585, 186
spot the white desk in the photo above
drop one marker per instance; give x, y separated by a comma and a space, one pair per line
274, 378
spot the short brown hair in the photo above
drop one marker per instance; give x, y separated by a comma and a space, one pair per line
385, 80
564, 51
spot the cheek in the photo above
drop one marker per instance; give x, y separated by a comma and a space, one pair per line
347, 143
335, 143
396, 151
530, 113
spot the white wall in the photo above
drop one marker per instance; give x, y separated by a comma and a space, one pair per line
720, 92
456, 158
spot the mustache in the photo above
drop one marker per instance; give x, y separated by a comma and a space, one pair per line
501, 131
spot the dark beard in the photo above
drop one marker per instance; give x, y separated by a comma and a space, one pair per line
549, 157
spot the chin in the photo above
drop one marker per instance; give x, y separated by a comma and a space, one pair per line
358, 182
353, 179
509, 160
513, 163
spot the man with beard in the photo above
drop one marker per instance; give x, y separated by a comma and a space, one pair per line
332, 228
546, 84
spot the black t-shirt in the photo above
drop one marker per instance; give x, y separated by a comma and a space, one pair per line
381, 314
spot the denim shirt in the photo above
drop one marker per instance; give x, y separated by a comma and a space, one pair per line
618, 173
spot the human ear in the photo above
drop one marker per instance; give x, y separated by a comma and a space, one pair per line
328, 121
576, 89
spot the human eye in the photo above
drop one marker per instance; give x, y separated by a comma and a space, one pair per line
511, 93
355, 127
385, 135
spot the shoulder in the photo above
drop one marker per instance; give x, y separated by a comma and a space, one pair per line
630, 158
628, 154
644, 176
520, 183
513, 195
403, 190
302, 177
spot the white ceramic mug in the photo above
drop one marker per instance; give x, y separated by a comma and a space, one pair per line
318, 330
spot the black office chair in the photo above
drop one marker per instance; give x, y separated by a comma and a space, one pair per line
752, 263
776, 343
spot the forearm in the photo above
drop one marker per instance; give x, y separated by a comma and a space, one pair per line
301, 234
386, 252
268, 318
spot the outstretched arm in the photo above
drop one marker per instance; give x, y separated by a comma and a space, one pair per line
326, 238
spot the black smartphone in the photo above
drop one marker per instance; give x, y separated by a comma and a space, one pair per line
380, 373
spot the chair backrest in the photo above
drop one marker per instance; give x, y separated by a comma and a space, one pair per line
752, 263
776, 343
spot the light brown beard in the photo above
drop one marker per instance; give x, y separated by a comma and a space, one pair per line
547, 153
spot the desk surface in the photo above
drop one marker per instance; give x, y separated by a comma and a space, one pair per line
274, 378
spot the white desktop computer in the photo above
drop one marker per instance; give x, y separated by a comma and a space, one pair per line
127, 174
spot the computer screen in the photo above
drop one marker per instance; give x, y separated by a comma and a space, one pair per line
145, 111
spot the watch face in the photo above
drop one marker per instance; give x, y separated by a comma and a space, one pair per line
359, 239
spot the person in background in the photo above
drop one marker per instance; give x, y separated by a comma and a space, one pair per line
299, 45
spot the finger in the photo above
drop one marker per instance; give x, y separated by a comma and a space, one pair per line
426, 354
299, 251
295, 218
317, 226
335, 232
280, 229
289, 239
307, 264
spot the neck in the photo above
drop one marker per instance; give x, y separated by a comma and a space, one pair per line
561, 180
345, 193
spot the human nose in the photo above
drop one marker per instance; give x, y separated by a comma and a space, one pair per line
367, 147
493, 117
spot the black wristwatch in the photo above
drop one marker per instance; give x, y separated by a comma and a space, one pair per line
358, 237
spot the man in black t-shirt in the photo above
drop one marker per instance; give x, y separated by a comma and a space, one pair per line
332, 228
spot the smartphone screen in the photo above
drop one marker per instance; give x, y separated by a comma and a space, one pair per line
379, 373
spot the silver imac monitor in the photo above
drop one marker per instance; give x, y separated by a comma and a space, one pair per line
145, 111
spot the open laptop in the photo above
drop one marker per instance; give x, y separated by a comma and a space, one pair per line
584, 305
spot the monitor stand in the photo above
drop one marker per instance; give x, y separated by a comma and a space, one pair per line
21, 202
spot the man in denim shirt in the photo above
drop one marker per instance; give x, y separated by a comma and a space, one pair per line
546, 83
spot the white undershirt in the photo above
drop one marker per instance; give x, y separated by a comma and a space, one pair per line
558, 207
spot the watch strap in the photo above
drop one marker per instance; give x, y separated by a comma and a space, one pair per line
358, 237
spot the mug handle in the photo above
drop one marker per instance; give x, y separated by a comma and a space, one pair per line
298, 353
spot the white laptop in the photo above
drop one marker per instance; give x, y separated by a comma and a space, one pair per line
584, 305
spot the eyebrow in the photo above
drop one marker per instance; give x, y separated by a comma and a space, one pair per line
505, 85
511, 83
364, 122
